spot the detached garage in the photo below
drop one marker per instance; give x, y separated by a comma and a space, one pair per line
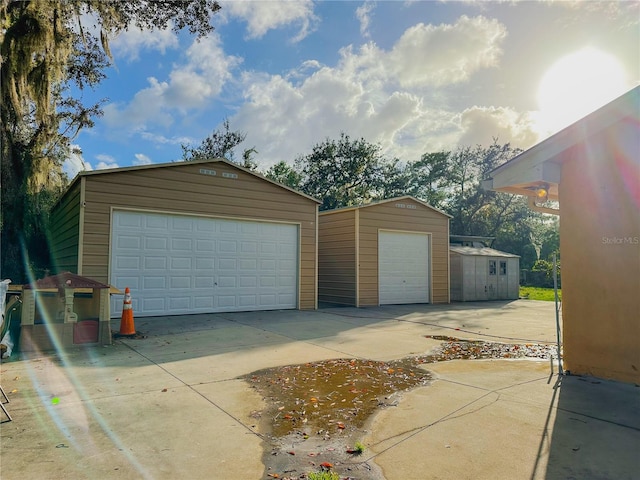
190, 237
390, 252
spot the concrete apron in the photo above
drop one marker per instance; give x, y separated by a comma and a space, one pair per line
171, 405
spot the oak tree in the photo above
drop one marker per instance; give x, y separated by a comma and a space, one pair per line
48, 53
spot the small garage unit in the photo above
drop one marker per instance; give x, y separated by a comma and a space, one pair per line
389, 252
483, 273
190, 237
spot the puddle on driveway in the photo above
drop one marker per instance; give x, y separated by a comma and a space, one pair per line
316, 411
332, 395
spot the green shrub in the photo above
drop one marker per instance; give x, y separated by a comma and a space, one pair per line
323, 476
541, 274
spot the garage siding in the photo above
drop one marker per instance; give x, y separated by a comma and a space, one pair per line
348, 246
184, 189
390, 216
337, 258
65, 228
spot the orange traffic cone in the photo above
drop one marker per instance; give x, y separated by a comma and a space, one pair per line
126, 324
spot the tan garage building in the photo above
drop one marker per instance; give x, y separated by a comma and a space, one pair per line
390, 252
190, 237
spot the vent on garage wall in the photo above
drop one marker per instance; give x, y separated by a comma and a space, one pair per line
213, 173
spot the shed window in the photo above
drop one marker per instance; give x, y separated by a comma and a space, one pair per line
503, 268
492, 267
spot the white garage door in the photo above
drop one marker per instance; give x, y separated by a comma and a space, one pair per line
403, 267
177, 264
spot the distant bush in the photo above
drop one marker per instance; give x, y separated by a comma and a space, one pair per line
540, 275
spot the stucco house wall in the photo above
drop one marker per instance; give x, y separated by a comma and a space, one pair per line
593, 169
600, 253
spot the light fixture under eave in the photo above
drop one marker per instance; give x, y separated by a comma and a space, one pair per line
542, 193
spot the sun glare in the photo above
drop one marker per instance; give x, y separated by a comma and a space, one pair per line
576, 85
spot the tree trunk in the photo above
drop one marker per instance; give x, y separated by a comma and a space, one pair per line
14, 176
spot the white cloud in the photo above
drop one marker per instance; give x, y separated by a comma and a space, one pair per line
106, 161
191, 85
445, 54
428, 55
163, 140
142, 159
130, 43
481, 125
363, 13
385, 96
264, 16
147, 106
75, 163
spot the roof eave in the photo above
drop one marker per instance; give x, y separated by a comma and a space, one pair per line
386, 200
541, 164
87, 173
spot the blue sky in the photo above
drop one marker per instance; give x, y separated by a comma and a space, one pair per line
414, 77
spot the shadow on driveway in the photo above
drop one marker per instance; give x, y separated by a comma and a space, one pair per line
172, 405
595, 433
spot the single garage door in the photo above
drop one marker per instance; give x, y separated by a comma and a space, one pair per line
403, 267
179, 264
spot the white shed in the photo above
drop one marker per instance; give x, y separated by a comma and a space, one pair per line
483, 273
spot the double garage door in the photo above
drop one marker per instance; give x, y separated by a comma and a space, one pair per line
180, 264
403, 267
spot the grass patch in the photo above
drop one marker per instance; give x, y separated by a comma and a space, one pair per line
358, 449
323, 476
537, 293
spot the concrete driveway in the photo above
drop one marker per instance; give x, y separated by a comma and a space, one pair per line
172, 406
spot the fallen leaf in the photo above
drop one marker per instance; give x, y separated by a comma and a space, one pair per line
292, 452
164, 389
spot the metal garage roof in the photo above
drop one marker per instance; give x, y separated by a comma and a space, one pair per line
483, 252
